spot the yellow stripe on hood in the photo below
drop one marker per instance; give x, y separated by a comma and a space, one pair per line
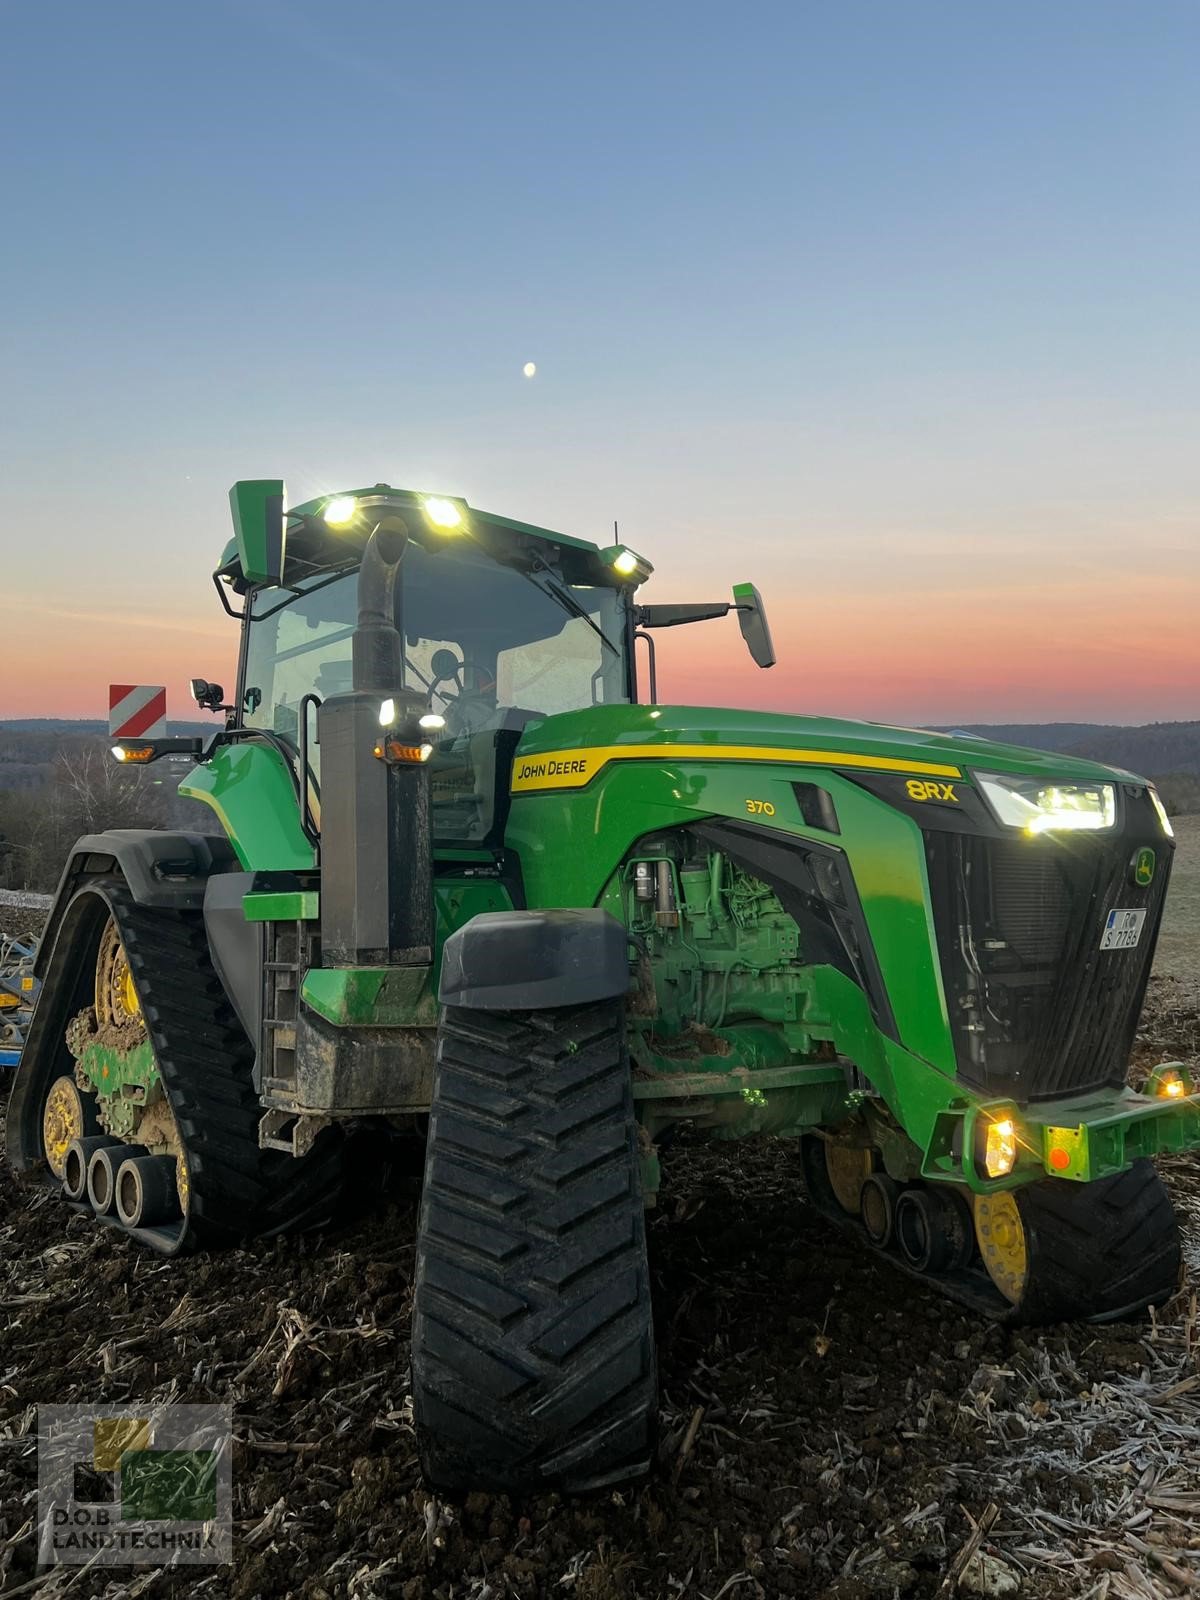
572, 769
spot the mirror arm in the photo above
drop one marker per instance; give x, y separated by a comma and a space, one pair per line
674, 616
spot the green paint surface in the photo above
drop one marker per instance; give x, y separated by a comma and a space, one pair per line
250, 789
378, 997
296, 905
124, 1079
254, 504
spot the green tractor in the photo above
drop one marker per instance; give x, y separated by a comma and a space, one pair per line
475, 886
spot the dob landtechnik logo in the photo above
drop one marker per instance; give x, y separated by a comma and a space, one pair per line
134, 1485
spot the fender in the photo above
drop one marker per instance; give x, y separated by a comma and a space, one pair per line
168, 870
534, 960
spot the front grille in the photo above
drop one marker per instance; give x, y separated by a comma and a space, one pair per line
1037, 1009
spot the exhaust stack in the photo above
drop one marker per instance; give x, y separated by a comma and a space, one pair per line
376, 839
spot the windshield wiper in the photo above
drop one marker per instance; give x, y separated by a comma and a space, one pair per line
568, 602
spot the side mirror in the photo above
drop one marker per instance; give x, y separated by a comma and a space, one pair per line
752, 620
259, 526
208, 696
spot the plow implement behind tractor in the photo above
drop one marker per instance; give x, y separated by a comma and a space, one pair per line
18, 985
474, 886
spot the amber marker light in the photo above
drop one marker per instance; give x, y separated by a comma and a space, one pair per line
409, 754
1000, 1146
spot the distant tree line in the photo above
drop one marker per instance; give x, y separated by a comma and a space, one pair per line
80, 789
56, 786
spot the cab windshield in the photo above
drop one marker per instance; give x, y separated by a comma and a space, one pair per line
488, 647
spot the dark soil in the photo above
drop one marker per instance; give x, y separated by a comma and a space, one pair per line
851, 1424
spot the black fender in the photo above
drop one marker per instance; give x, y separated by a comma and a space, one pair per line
160, 868
534, 960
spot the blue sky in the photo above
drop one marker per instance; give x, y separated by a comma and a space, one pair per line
890, 308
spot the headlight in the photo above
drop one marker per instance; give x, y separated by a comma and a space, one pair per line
1156, 802
1170, 1081
1000, 1147
1041, 807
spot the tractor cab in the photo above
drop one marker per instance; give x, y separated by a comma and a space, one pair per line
501, 624
488, 648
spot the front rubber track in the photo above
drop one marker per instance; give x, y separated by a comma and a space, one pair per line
206, 1064
532, 1345
1098, 1251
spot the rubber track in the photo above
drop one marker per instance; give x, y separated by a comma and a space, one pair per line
532, 1349
1100, 1251
206, 1062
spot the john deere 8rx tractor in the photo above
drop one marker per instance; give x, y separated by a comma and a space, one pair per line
473, 884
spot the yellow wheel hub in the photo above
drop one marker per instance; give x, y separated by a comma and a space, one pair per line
117, 1003
1002, 1242
848, 1168
62, 1122
129, 997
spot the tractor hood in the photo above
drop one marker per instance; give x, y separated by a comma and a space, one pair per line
583, 741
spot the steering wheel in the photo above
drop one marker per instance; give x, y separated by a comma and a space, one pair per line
466, 710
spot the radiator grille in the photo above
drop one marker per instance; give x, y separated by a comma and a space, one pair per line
1037, 1009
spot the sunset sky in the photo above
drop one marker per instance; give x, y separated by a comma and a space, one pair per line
890, 309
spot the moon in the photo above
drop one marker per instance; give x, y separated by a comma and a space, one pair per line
530, 369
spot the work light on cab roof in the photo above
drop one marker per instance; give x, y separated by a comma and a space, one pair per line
440, 512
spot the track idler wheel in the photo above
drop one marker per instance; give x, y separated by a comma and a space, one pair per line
76, 1162
146, 1191
103, 1167
847, 1167
118, 1004
877, 1204
69, 1114
933, 1230
1000, 1231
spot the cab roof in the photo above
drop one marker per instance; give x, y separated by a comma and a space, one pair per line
313, 546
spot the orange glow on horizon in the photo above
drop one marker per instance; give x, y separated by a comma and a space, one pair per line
60, 661
1119, 650
1114, 650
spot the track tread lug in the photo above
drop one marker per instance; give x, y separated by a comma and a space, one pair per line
572, 1310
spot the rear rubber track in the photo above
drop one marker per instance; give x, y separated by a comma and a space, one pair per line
533, 1352
206, 1064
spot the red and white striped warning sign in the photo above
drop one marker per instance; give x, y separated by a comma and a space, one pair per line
137, 711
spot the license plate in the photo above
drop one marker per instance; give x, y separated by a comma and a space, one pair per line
1122, 930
